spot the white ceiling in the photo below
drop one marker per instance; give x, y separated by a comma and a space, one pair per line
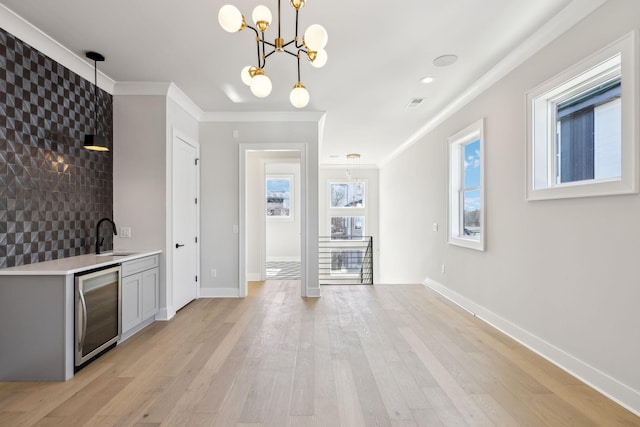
377, 50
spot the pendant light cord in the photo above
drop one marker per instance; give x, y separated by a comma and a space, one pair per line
95, 97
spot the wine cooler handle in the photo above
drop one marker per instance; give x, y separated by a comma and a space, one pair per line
84, 321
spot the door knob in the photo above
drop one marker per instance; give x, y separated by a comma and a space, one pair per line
178, 245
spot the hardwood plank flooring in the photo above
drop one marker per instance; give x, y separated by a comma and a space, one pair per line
380, 355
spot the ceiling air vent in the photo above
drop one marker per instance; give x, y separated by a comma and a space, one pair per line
414, 103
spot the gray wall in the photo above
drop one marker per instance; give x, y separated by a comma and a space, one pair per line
560, 275
219, 178
143, 142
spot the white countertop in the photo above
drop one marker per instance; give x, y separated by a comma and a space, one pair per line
74, 264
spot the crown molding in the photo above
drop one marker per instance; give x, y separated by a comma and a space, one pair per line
554, 28
343, 166
142, 88
36, 38
264, 116
167, 89
180, 98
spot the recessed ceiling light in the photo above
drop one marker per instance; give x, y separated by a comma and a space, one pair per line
445, 60
427, 79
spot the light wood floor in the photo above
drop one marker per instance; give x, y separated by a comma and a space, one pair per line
358, 356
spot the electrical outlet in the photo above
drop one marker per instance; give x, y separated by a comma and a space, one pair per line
444, 269
435, 226
214, 273
125, 232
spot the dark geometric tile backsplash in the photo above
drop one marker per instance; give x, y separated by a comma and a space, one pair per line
52, 190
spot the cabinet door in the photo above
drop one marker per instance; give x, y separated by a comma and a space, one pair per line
131, 298
150, 295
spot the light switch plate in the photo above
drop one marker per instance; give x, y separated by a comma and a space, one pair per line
125, 232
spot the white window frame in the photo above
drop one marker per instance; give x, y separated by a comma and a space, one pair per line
457, 142
352, 218
364, 201
621, 58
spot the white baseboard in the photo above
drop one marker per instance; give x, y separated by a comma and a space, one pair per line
254, 277
313, 293
219, 293
165, 314
610, 387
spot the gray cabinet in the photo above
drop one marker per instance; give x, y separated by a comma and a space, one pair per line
140, 294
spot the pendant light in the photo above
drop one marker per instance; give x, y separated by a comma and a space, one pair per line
94, 141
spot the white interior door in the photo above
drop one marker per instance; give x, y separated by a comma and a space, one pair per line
185, 223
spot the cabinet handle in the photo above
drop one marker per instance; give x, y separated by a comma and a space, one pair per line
178, 245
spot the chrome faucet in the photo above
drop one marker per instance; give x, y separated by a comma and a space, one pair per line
99, 241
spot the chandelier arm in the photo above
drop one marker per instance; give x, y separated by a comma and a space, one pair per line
268, 43
265, 55
296, 39
264, 52
279, 19
298, 66
287, 44
299, 40
257, 44
259, 56
290, 53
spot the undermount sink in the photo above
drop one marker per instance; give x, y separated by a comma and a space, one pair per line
117, 253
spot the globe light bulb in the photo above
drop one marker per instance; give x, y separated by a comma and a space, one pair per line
230, 18
320, 59
245, 75
316, 37
260, 85
262, 17
299, 96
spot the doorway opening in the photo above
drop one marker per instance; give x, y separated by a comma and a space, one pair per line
281, 216
273, 215
272, 225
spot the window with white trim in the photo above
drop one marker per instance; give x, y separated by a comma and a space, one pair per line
347, 227
279, 196
466, 187
582, 128
347, 195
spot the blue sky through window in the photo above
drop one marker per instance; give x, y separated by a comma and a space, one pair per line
278, 185
472, 164
278, 197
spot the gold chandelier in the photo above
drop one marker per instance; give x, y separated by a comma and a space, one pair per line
312, 46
